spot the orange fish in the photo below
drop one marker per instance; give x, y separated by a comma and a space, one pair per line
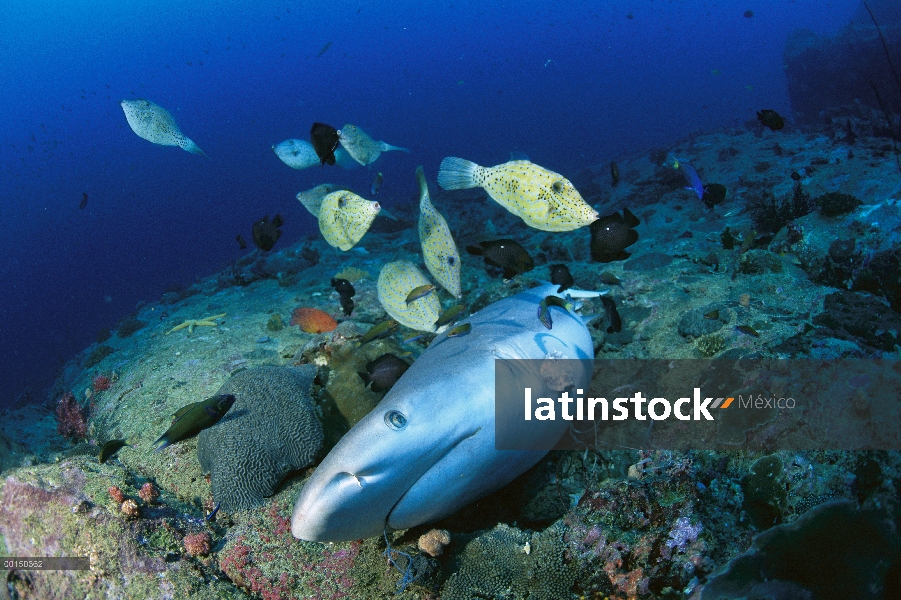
313, 320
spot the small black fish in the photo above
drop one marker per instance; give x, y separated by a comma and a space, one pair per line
749, 13
84, 201
376, 184
266, 232
796, 176
325, 141
241, 243
611, 235
194, 418
346, 291
771, 119
343, 287
324, 49
714, 193
347, 305
561, 276
747, 329
109, 449
614, 173
383, 372
616, 323
506, 254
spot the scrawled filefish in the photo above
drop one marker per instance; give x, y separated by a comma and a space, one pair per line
300, 154
396, 281
312, 199
154, 123
361, 147
438, 248
344, 218
543, 199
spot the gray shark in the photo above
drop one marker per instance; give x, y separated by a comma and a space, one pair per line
428, 449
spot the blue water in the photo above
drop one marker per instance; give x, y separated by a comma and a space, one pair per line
571, 84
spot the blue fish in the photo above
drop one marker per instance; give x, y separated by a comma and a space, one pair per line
691, 177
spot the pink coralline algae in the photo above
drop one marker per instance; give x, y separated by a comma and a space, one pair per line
116, 494
71, 420
198, 544
149, 493
101, 383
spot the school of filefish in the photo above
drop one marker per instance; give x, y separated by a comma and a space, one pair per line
543, 199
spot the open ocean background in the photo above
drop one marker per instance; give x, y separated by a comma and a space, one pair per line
571, 84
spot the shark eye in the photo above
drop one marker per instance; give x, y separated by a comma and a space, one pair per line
395, 420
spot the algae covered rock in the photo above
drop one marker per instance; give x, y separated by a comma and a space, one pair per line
508, 563
271, 429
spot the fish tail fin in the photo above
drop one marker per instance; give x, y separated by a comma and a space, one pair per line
388, 148
364, 376
586, 319
423, 187
457, 174
193, 148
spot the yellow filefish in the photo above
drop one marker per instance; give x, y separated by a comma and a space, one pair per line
344, 218
154, 123
438, 248
396, 281
312, 199
543, 199
361, 147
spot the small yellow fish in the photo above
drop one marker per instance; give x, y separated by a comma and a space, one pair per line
312, 199
361, 147
382, 330
344, 218
396, 281
543, 199
421, 291
460, 330
154, 123
438, 248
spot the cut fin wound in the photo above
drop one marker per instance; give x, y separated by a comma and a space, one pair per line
457, 174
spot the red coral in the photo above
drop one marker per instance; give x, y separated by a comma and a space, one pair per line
313, 320
116, 494
198, 544
149, 493
71, 419
100, 383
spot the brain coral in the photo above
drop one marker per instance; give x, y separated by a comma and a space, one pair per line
271, 430
313, 320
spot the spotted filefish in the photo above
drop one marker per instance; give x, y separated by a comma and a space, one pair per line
396, 281
154, 123
361, 147
438, 248
344, 218
312, 199
543, 199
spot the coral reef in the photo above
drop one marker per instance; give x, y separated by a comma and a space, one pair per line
149, 493
433, 542
198, 544
271, 429
508, 563
72, 420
